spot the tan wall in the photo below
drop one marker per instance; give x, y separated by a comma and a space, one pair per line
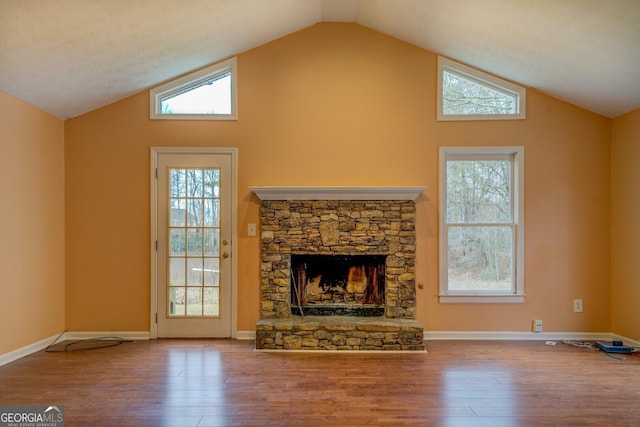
338, 104
625, 225
31, 223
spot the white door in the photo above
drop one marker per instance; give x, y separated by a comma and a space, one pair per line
194, 241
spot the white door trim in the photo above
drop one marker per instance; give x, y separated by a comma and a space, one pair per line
155, 152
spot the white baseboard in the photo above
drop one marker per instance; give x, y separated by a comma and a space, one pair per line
42, 344
522, 336
26, 350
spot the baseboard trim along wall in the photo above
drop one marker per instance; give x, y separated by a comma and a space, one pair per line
26, 350
63, 336
251, 335
517, 336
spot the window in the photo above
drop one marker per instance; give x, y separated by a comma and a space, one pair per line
193, 256
465, 93
481, 224
208, 94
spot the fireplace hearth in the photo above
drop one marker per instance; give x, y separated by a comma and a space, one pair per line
338, 274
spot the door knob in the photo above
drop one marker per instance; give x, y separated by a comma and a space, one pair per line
225, 255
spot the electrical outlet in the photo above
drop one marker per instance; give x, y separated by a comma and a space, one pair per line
577, 306
251, 230
537, 326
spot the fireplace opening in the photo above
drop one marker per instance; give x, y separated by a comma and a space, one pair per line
339, 285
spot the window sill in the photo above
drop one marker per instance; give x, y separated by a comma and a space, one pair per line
481, 299
229, 117
478, 117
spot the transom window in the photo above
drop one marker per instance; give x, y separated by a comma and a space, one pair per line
208, 94
465, 93
481, 224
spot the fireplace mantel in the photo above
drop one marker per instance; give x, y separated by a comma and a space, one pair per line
337, 193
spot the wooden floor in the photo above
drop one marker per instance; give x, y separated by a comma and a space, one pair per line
227, 383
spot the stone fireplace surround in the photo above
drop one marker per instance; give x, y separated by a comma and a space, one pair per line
338, 221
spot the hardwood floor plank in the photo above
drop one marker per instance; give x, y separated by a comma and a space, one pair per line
198, 383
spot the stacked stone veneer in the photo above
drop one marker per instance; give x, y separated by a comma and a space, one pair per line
338, 227
339, 333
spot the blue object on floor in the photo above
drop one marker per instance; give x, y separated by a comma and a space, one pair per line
611, 348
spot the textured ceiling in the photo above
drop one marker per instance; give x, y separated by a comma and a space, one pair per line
68, 57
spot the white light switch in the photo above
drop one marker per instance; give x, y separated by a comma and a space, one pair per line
251, 230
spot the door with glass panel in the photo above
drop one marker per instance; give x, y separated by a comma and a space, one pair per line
194, 245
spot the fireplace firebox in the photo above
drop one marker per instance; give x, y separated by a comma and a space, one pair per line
337, 285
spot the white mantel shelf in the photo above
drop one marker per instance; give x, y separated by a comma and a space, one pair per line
337, 193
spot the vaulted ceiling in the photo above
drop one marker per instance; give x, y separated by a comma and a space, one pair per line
68, 57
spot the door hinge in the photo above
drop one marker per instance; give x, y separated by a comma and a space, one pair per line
156, 317
156, 173
156, 246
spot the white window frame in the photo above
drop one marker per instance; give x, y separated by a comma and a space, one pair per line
183, 83
484, 79
517, 295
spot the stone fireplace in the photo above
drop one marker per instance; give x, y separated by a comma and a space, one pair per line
338, 269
